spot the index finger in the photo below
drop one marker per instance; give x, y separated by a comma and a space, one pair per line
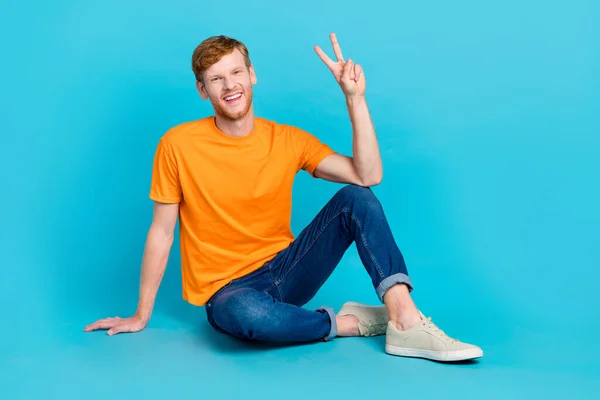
324, 57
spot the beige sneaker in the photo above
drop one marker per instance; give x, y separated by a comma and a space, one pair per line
372, 320
425, 340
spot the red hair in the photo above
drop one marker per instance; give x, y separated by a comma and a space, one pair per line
211, 50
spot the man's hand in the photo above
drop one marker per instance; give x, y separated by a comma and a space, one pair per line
117, 325
348, 75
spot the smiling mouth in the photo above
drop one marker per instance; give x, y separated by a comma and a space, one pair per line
233, 98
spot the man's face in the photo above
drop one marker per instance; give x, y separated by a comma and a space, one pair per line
228, 85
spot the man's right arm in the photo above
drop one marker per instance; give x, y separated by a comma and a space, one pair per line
156, 254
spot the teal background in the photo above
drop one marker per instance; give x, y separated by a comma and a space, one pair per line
488, 116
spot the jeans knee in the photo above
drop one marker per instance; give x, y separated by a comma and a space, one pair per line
242, 312
359, 196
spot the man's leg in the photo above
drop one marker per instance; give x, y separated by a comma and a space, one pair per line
353, 215
251, 314
294, 276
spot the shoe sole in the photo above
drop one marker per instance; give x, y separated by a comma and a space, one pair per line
459, 355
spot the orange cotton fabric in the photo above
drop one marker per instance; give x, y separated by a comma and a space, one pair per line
235, 196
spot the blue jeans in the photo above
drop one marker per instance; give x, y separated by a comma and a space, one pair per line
266, 304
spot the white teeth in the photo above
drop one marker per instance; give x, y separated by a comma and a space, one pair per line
233, 97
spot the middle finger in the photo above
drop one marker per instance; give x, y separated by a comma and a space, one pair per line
336, 48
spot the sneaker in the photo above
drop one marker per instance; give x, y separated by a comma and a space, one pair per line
372, 320
425, 340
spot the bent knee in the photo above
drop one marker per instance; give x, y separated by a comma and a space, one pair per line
359, 196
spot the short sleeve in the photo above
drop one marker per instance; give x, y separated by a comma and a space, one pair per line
310, 150
165, 186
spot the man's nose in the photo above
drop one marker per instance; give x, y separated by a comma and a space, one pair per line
228, 83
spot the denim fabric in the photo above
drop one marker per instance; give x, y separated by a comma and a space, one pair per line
267, 304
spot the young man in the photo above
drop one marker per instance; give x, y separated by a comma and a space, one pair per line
229, 180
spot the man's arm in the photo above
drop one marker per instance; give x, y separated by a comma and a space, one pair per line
156, 253
364, 167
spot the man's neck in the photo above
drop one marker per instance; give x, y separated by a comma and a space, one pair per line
237, 128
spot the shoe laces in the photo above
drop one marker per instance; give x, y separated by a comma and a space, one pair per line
429, 323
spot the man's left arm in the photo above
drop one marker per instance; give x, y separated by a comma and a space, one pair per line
364, 168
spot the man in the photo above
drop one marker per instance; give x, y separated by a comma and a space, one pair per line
229, 180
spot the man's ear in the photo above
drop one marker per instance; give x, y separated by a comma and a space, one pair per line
201, 90
253, 77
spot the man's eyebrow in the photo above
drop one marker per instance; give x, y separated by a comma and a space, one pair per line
232, 69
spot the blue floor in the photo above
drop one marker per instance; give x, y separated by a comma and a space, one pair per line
180, 356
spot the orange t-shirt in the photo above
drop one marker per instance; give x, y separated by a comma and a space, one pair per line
235, 196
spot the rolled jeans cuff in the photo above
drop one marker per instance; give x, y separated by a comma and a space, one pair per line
334, 330
392, 280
